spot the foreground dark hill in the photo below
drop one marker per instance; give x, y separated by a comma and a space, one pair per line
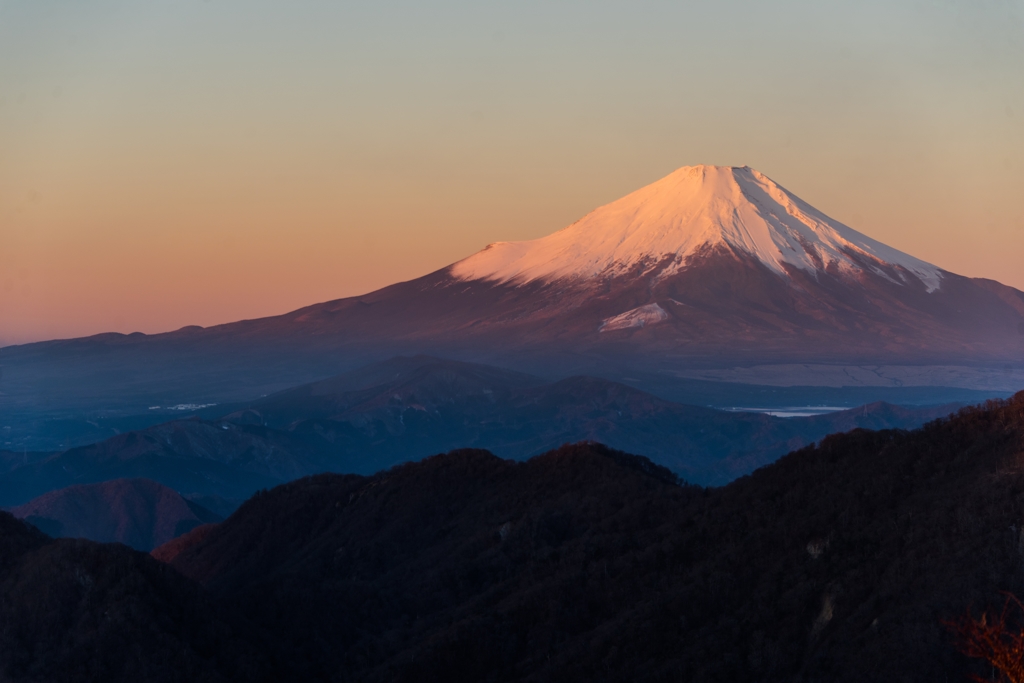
408, 408
137, 512
73, 610
585, 564
708, 267
836, 563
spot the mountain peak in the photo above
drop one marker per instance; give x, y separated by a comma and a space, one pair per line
658, 228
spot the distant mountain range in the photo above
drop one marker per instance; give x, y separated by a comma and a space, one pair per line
710, 267
839, 562
193, 457
411, 407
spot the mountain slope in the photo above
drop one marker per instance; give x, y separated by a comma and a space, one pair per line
140, 513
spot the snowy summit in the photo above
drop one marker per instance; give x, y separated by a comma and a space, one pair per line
663, 225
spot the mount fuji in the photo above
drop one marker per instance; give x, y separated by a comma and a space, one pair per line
709, 267
660, 230
723, 260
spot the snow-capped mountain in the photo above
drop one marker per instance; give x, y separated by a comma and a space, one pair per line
709, 267
657, 230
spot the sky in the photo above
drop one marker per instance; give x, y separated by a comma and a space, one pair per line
183, 162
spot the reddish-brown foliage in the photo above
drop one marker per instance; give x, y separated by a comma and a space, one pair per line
993, 639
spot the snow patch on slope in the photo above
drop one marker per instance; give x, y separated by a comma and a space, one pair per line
641, 316
673, 218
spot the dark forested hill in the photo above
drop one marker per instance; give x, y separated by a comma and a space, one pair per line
837, 563
73, 610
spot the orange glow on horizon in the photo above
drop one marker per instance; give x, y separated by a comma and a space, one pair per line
174, 164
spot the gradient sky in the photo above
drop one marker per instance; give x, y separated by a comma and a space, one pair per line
171, 163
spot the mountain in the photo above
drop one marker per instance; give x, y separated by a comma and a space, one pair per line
709, 267
74, 610
408, 408
662, 228
137, 512
839, 562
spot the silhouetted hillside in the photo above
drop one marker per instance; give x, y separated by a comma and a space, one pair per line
836, 563
74, 610
137, 512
